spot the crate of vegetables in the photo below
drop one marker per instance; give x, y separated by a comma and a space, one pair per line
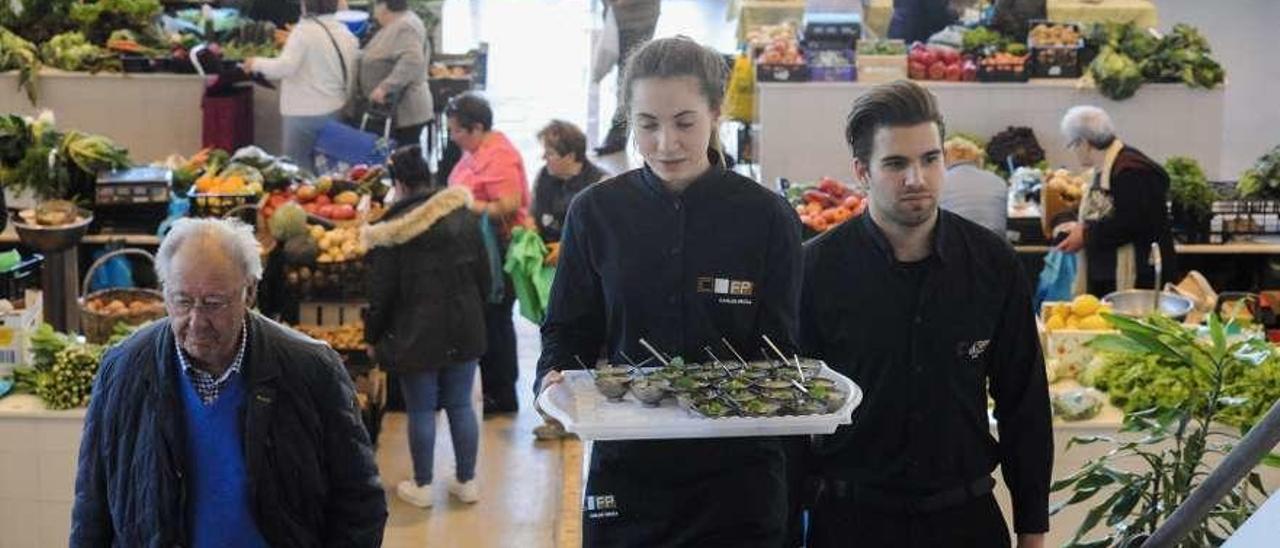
782, 61
933, 62
1055, 49
1004, 67
831, 66
880, 61
712, 400
824, 204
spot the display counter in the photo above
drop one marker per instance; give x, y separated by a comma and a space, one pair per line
1143, 12
802, 124
38, 453
153, 114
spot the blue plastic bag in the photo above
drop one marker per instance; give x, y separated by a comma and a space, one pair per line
1057, 277
116, 272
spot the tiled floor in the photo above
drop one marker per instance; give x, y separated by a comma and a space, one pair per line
539, 54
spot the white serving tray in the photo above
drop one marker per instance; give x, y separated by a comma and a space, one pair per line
586, 412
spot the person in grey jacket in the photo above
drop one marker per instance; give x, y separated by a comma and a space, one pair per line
637, 20
972, 192
393, 69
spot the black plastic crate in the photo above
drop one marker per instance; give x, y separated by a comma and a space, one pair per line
23, 276
782, 73
218, 205
843, 69
1055, 61
337, 281
1005, 72
1243, 218
832, 30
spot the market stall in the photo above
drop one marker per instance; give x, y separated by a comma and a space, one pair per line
802, 124
1143, 12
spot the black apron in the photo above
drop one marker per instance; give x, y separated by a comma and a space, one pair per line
711, 492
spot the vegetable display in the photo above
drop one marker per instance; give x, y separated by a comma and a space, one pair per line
1189, 188
72, 51
1014, 147
1130, 56
1149, 473
1263, 179
36, 157
22, 56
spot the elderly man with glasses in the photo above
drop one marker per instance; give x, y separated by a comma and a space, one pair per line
219, 427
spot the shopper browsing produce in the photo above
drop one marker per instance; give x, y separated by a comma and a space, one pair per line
566, 173
204, 429
492, 169
683, 253
428, 274
917, 20
924, 310
970, 191
1123, 210
393, 69
316, 68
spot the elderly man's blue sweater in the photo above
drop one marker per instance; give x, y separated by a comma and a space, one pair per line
218, 486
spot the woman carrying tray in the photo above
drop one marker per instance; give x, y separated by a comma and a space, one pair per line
682, 253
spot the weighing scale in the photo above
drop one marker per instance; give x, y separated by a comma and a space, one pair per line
132, 201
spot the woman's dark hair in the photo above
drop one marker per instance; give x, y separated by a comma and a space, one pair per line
565, 138
896, 104
320, 7
470, 110
408, 167
394, 5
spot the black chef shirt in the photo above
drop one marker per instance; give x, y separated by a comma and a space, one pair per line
721, 259
552, 195
924, 341
682, 271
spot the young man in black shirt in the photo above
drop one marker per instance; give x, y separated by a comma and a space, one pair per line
929, 313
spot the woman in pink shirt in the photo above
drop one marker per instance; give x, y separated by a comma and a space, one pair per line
492, 169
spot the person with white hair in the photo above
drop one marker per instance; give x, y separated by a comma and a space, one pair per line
1123, 210
972, 192
217, 426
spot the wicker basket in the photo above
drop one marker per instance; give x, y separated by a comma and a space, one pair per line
97, 326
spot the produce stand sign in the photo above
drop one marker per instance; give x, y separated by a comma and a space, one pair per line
586, 412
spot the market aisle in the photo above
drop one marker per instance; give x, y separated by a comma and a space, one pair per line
519, 478
539, 54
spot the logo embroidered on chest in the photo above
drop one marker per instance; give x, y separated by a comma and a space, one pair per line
730, 291
600, 506
972, 351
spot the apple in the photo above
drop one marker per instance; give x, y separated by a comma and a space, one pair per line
938, 70
917, 70
948, 55
954, 72
325, 211
324, 199
307, 193
342, 212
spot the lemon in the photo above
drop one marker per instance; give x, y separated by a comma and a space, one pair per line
1073, 323
1055, 323
1094, 323
1085, 305
1061, 309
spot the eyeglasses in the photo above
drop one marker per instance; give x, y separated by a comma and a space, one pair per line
183, 304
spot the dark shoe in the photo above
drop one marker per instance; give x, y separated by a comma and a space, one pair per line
493, 408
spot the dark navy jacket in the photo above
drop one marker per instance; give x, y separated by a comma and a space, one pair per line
722, 259
312, 476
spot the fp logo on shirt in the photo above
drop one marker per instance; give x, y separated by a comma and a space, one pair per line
600, 506
725, 286
729, 291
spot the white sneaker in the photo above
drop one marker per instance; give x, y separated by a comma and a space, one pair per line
468, 492
412, 493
